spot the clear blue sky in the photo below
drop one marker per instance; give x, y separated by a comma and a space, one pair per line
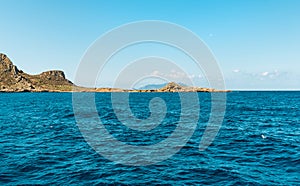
256, 42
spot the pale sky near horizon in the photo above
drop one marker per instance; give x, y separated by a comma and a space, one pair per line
256, 43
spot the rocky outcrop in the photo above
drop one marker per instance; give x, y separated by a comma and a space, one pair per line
171, 87
56, 75
14, 80
174, 87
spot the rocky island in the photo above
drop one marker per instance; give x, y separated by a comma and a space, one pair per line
14, 80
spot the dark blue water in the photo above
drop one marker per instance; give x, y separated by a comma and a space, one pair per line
259, 142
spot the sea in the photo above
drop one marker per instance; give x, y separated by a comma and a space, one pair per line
258, 142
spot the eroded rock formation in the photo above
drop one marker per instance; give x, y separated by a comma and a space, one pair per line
14, 80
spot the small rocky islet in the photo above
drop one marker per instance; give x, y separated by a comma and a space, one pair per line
13, 79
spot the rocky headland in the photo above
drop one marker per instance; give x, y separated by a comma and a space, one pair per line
14, 80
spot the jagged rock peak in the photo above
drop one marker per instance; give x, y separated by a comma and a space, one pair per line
5, 60
3, 57
7, 66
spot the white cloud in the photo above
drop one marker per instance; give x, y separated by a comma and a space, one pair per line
263, 75
192, 76
155, 73
262, 79
173, 74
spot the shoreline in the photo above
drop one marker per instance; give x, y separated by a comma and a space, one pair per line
130, 91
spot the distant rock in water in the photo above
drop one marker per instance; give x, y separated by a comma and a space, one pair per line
157, 86
174, 87
14, 80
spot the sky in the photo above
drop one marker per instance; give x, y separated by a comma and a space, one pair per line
256, 43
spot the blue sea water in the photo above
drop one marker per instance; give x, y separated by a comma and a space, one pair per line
258, 143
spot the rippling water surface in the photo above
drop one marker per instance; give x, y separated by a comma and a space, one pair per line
258, 143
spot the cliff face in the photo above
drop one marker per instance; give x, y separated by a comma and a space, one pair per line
14, 80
